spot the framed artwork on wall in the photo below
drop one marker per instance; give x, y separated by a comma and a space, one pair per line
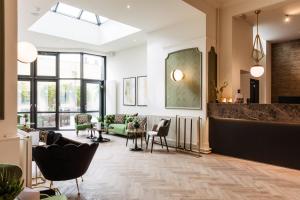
183, 79
129, 91
142, 91
2, 64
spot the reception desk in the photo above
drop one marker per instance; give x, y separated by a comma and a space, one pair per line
268, 133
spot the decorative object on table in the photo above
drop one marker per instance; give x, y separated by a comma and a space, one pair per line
129, 91
220, 90
2, 64
142, 91
136, 123
57, 159
159, 130
82, 122
10, 181
239, 98
212, 74
183, 79
257, 52
99, 123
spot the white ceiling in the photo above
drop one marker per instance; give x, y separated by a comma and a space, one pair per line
147, 15
271, 22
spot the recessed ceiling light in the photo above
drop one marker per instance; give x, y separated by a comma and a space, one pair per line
128, 6
287, 19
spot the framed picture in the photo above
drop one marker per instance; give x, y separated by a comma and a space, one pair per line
2, 64
129, 91
142, 91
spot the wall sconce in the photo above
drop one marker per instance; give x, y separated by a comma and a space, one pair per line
177, 75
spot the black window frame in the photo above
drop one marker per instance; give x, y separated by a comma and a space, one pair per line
33, 78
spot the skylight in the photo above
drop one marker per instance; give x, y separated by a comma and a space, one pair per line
80, 14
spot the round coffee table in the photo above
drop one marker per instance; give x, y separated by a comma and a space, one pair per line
101, 139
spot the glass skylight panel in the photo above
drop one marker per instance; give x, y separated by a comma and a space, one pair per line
89, 17
103, 19
68, 10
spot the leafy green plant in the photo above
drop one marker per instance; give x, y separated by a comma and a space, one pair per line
136, 123
10, 185
99, 119
109, 119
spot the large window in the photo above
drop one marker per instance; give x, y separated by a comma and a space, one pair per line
60, 85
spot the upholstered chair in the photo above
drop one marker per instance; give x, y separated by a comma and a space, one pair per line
160, 130
82, 122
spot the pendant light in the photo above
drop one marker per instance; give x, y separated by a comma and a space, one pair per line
257, 53
27, 52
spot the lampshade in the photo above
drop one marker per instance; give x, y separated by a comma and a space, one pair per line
257, 71
27, 53
177, 75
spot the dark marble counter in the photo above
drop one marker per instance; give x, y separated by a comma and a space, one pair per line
288, 113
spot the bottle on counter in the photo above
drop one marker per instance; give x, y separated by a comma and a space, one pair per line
239, 98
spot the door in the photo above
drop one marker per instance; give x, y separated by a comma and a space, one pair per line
93, 95
25, 108
46, 105
254, 91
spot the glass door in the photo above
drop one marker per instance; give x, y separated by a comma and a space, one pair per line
24, 102
46, 107
92, 98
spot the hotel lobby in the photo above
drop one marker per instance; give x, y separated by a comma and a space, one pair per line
139, 99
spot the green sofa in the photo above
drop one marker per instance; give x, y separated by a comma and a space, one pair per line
118, 123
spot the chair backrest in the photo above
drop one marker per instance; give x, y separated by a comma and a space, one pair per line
83, 118
58, 163
164, 130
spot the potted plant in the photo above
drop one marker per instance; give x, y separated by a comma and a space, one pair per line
99, 123
10, 185
219, 91
136, 123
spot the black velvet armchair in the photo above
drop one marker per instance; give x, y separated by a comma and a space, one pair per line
64, 160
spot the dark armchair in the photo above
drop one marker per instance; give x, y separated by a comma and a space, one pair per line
64, 160
159, 130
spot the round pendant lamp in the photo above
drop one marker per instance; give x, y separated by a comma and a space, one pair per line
257, 53
27, 52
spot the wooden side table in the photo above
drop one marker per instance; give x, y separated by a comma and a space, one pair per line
136, 132
101, 139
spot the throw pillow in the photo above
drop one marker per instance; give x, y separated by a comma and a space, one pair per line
120, 119
160, 124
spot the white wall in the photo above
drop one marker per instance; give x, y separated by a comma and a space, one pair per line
128, 63
162, 42
9, 143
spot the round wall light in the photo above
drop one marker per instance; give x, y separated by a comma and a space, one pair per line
257, 71
177, 75
27, 53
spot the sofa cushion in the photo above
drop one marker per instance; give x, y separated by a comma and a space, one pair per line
120, 119
118, 128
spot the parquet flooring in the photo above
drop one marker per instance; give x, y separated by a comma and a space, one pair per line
119, 174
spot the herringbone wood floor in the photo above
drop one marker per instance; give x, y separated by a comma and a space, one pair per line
119, 174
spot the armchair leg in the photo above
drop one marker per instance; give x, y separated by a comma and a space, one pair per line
127, 140
147, 142
81, 179
162, 146
77, 133
152, 143
77, 186
166, 143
